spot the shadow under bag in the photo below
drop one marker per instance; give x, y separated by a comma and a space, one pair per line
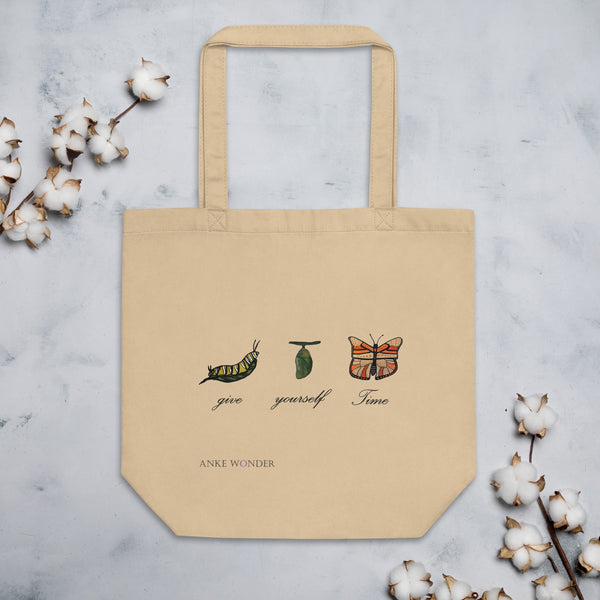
298, 373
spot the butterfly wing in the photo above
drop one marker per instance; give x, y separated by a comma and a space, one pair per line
387, 358
360, 348
362, 358
390, 347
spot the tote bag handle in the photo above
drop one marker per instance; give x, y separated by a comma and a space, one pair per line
212, 168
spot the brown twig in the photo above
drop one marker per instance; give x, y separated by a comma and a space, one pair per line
137, 101
559, 548
531, 447
554, 536
8, 197
554, 567
7, 201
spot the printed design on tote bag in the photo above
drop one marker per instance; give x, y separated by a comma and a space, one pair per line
380, 361
304, 361
230, 373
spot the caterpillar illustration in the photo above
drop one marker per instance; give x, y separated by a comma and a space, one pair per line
229, 373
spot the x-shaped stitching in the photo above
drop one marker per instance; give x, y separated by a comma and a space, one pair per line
384, 219
216, 220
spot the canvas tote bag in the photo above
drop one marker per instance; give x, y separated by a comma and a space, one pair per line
230, 430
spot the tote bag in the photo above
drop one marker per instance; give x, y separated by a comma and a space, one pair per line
298, 373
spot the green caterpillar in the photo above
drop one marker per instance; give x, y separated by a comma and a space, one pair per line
229, 373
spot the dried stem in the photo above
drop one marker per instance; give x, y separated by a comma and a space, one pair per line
554, 567
7, 200
137, 101
531, 447
554, 536
559, 548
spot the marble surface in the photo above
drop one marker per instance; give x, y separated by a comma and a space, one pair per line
499, 111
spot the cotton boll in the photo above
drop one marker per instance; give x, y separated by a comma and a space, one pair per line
116, 138
588, 562
142, 83
591, 554
528, 489
68, 189
524, 545
453, 590
27, 223
495, 594
419, 589
79, 117
531, 534
99, 145
506, 484
524, 471
37, 233
10, 172
61, 199
528, 492
553, 587
514, 538
409, 581
29, 213
538, 558
566, 512
461, 590
106, 142
517, 484
44, 190
533, 422
152, 69
57, 191
148, 82
521, 559
9, 140
14, 234
534, 415
66, 144
15, 227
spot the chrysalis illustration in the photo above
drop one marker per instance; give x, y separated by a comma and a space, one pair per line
304, 362
230, 373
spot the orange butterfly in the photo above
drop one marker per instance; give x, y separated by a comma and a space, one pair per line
367, 360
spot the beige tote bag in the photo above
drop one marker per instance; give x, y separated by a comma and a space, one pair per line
298, 373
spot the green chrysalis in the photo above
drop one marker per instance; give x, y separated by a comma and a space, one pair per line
304, 361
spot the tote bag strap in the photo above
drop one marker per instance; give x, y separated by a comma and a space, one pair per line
212, 151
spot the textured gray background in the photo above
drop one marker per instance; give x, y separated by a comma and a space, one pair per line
499, 111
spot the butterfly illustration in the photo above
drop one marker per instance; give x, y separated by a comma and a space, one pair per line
367, 360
